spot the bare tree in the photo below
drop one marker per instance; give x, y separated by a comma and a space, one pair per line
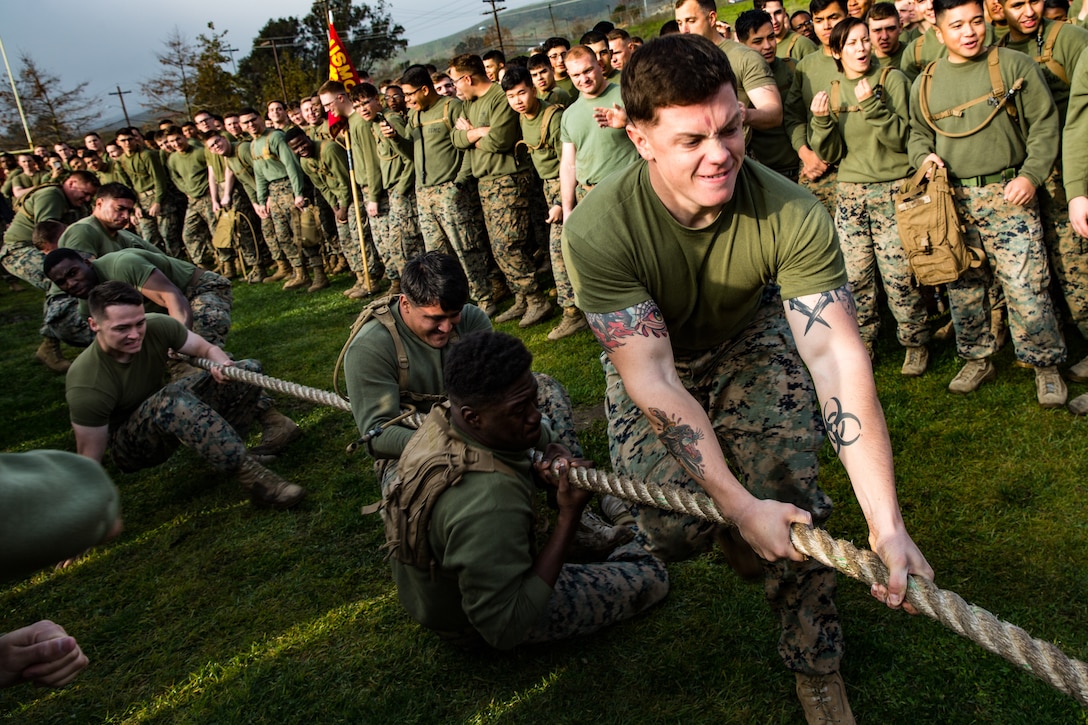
53, 113
173, 88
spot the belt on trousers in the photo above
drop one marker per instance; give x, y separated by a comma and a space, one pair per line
1005, 175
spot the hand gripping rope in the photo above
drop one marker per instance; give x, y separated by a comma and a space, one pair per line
1042, 659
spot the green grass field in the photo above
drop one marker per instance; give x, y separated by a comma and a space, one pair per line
208, 610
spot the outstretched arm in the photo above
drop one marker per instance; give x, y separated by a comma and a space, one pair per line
825, 328
164, 293
637, 342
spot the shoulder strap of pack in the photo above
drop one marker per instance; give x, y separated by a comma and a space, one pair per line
918, 50
793, 42
545, 119
1046, 53
20, 203
365, 316
998, 97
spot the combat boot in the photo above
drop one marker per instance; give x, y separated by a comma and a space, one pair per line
573, 321
394, 288
256, 275
594, 539
299, 280
823, 698
973, 374
1050, 388
283, 271
517, 310
540, 308
49, 355
228, 269
1079, 372
499, 290
277, 432
616, 510
916, 361
341, 265
320, 280
268, 488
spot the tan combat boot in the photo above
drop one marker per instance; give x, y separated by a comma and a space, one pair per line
320, 280
394, 288
341, 265
228, 269
256, 275
283, 271
277, 432
49, 355
517, 310
823, 698
572, 322
540, 309
594, 539
268, 488
299, 280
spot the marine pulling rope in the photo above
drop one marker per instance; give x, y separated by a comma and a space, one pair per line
1042, 659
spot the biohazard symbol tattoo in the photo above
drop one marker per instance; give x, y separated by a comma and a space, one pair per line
840, 425
679, 440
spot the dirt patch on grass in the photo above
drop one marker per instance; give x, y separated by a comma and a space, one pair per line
587, 415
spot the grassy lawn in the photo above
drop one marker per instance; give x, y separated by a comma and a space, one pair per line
207, 610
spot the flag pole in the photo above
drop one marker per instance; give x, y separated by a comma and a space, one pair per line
355, 203
15, 91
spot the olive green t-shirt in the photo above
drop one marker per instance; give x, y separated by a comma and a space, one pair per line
545, 144
750, 69
598, 151
189, 172
771, 147
437, 160
45, 204
134, 266
623, 247
492, 155
812, 75
101, 390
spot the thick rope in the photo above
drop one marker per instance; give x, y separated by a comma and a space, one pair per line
1043, 659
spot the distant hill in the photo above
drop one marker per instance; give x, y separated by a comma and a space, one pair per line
526, 27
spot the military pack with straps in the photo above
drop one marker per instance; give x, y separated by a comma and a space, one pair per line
835, 96
433, 461
545, 118
999, 98
20, 204
1044, 43
930, 228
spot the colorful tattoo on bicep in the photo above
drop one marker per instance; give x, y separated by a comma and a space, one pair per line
679, 439
826, 299
612, 328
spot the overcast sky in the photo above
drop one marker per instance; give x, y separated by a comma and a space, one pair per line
114, 43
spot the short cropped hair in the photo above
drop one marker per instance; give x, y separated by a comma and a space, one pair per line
115, 190
469, 63
818, 6
593, 36
332, 87
47, 233
417, 76
515, 76
555, 42
363, 92
61, 254
496, 55
538, 60
112, 293
85, 177
940, 7
673, 70
618, 34
883, 11
707, 5
482, 366
749, 22
293, 133
434, 278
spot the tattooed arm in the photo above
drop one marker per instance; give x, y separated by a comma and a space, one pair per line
825, 328
637, 343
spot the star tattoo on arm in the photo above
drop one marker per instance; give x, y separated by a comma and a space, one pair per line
840, 294
612, 328
679, 439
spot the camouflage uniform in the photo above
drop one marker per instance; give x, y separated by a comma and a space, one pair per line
248, 230
869, 238
391, 257
1067, 251
196, 233
348, 232
159, 230
763, 407
288, 226
64, 322
505, 204
1012, 238
824, 188
564, 293
26, 263
450, 224
210, 418
211, 299
404, 224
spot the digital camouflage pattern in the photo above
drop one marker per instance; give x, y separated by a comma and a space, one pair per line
564, 293
505, 203
1012, 238
208, 417
404, 234
869, 238
449, 224
1066, 250
211, 299
196, 233
763, 408
287, 223
824, 188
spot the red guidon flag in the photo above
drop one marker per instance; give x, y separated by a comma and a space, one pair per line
340, 67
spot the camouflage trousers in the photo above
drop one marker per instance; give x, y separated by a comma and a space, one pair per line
268, 234
869, 237
505, 203
564, 293
63, 321
1012, 238
287, 222
211, 299
404, 235
210, 418
824, 188
164, 230
391, 257
763, 407
26, 262
247, 232
348, 234
1067, 251
449, 224
196, 233
589, 597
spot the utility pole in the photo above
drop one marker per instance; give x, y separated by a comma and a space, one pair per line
555, 31
271, 43
232, 51
121, 97
495, 13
